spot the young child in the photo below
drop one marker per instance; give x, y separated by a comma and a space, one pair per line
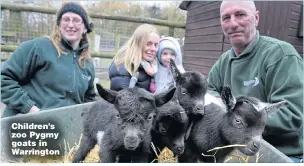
168, 48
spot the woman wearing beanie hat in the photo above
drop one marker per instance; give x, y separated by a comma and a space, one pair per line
168, 48
51, 72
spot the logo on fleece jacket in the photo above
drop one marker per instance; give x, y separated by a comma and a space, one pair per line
86, 77
254, 82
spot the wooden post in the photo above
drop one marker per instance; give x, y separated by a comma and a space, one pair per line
117, 42
171, 31
16, 24
46, 10
92, 41
11, 48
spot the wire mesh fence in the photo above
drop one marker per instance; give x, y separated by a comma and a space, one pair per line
18, 27
108, 37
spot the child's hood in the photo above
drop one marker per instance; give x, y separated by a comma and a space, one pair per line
173, 44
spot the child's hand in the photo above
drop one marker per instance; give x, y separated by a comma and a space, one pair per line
154, 62
149, 68
145, 64
154, 65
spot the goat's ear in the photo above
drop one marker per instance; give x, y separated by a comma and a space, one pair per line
106, 94
272, 107
227, 97
175, 72
164, 97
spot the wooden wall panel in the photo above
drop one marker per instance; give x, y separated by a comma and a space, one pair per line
204, 31
215, 38
203, 41
204, 24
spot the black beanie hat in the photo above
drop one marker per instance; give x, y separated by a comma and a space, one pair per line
77, 9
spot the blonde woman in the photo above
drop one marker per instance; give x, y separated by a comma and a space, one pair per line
51, 72
141, 47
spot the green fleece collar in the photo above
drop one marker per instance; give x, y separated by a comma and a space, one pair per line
67, 46
248, 50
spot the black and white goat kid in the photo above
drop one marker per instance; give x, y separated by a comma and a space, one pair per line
242, 123
121, 124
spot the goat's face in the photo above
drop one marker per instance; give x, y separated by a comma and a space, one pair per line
171, 123
246, 120
191, 88
136, 109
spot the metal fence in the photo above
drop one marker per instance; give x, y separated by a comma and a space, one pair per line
18, 27
20, 23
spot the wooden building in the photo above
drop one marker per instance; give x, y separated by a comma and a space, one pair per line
205, 41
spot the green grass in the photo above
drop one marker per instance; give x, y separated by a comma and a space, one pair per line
105, 83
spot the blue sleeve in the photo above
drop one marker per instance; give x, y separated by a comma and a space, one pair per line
119, 77
119, 83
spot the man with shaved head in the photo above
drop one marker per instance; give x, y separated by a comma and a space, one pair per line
262, 67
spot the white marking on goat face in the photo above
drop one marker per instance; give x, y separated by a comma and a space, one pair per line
131, 131
131, 138
272, 107
99, 137
200, 102
260, 106
257, 138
